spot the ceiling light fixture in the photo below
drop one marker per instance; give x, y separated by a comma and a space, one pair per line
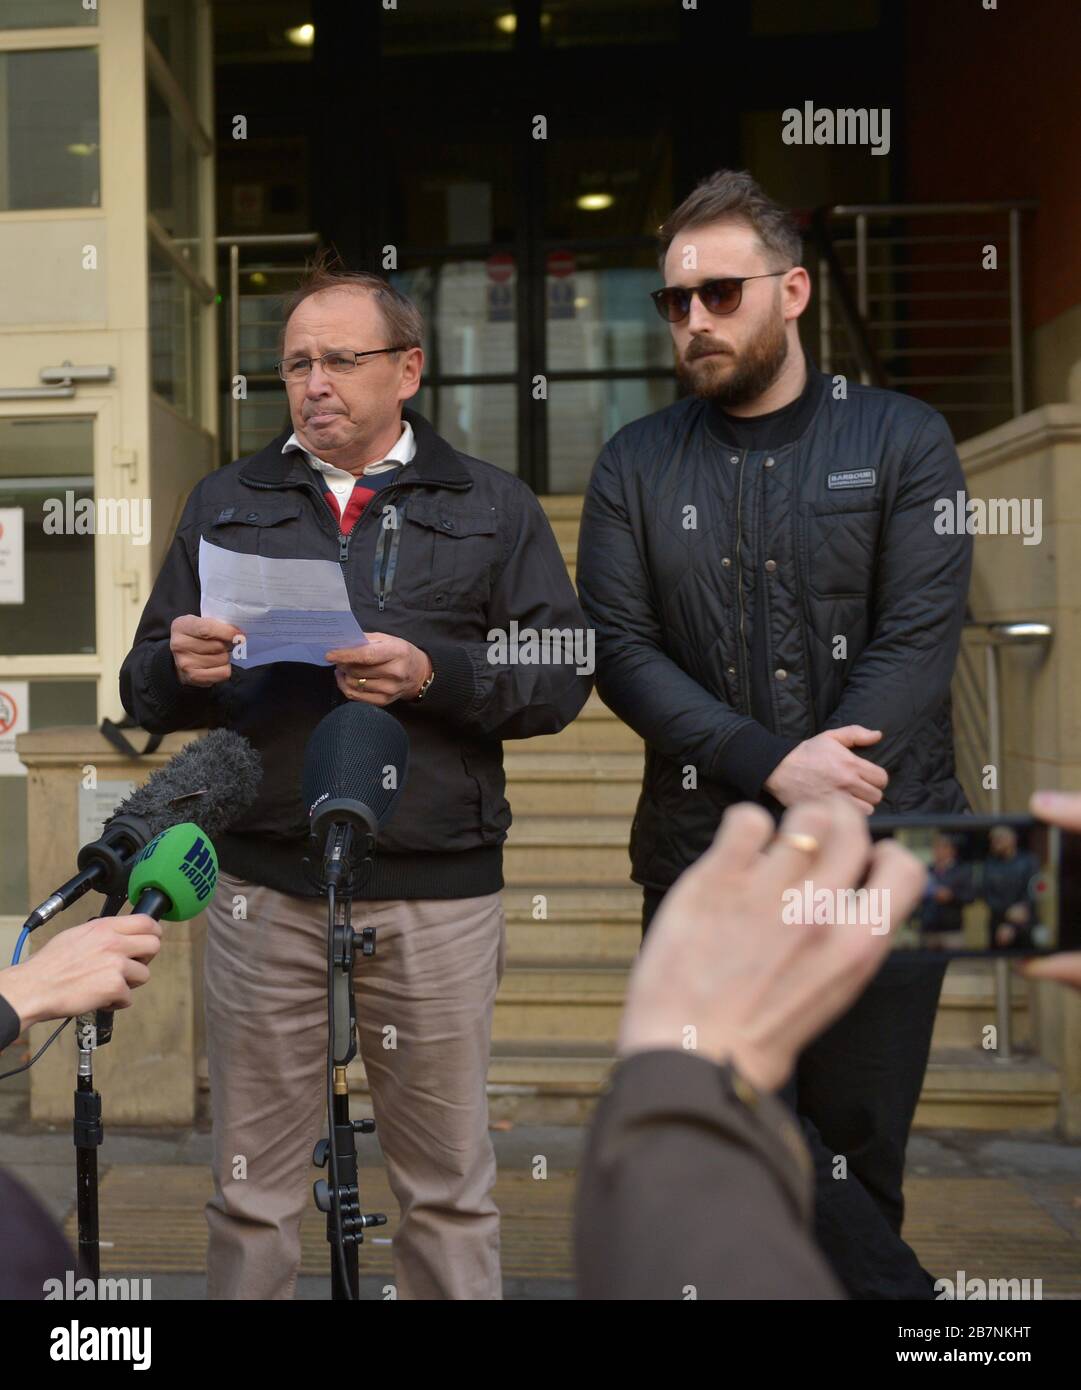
594, 202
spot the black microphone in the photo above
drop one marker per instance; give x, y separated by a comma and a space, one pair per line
212, 781
354, 768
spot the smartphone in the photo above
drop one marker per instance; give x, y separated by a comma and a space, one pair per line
1005, 885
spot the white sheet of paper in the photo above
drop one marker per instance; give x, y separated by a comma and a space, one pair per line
289, 610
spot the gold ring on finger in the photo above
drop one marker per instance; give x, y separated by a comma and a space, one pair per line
808, 843
361, 681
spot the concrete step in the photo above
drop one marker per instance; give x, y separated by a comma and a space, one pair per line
537, 1081
561, 504
530, 1081
596, 730
967, 1007
550, 782
557, 1081
571, 1003
583, 998
565, 515
567, 849
553, 923
566, 531
965, 1088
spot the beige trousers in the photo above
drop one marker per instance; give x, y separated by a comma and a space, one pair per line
424, 1014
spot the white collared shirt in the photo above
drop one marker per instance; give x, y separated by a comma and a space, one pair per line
341, 482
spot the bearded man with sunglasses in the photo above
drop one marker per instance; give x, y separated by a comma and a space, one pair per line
778, 618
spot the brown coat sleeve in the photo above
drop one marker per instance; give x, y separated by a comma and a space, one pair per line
688, 1191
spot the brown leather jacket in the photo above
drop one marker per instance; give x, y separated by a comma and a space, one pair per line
695, 1185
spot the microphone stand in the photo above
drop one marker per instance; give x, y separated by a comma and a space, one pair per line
340, 1198
92, 1030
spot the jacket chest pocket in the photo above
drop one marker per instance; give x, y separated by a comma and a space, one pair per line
842, 548
446, 556
258, 529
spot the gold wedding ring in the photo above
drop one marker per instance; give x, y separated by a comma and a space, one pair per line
807, 843
361, 681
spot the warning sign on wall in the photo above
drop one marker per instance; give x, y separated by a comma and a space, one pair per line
14, 719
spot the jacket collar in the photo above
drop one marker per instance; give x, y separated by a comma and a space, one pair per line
435, 461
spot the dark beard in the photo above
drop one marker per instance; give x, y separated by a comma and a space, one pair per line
756, 370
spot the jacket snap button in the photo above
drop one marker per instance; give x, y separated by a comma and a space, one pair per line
448, 525
781, 675
726, 562
731, 670
252, 516
771, 565
733, 458
769, 463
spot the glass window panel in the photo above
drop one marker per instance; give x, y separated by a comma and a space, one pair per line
45, 14
262, 417
263, 285
785, 17
50, 461
479, 420
600, 184
49, 147
583, 416
433, 26
172, 169
599, 314
472, 307
174, 336
260, 323
454, 192
568, 23
171, 25
52, 703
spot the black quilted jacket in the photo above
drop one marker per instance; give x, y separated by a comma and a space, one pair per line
831, 543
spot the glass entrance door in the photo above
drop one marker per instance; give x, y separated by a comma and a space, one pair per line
48, 607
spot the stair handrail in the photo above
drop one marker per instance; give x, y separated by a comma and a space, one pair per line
996, 635
856, 299
853, 313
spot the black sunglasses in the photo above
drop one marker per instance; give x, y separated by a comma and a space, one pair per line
718, 296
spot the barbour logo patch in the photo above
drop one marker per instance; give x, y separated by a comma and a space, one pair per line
855, 477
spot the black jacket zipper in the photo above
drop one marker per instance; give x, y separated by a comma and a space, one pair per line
744, 677
343, 537
386, 557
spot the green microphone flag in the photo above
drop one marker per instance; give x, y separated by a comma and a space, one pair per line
182, 864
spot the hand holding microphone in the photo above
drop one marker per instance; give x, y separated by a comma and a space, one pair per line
96, 965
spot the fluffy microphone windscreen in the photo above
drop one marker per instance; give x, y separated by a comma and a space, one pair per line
211, 781
357, 753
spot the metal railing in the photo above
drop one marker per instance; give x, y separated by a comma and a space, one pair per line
926, 298
978, 711
268, 269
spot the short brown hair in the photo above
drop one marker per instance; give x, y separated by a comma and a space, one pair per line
402, 318
732, 195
